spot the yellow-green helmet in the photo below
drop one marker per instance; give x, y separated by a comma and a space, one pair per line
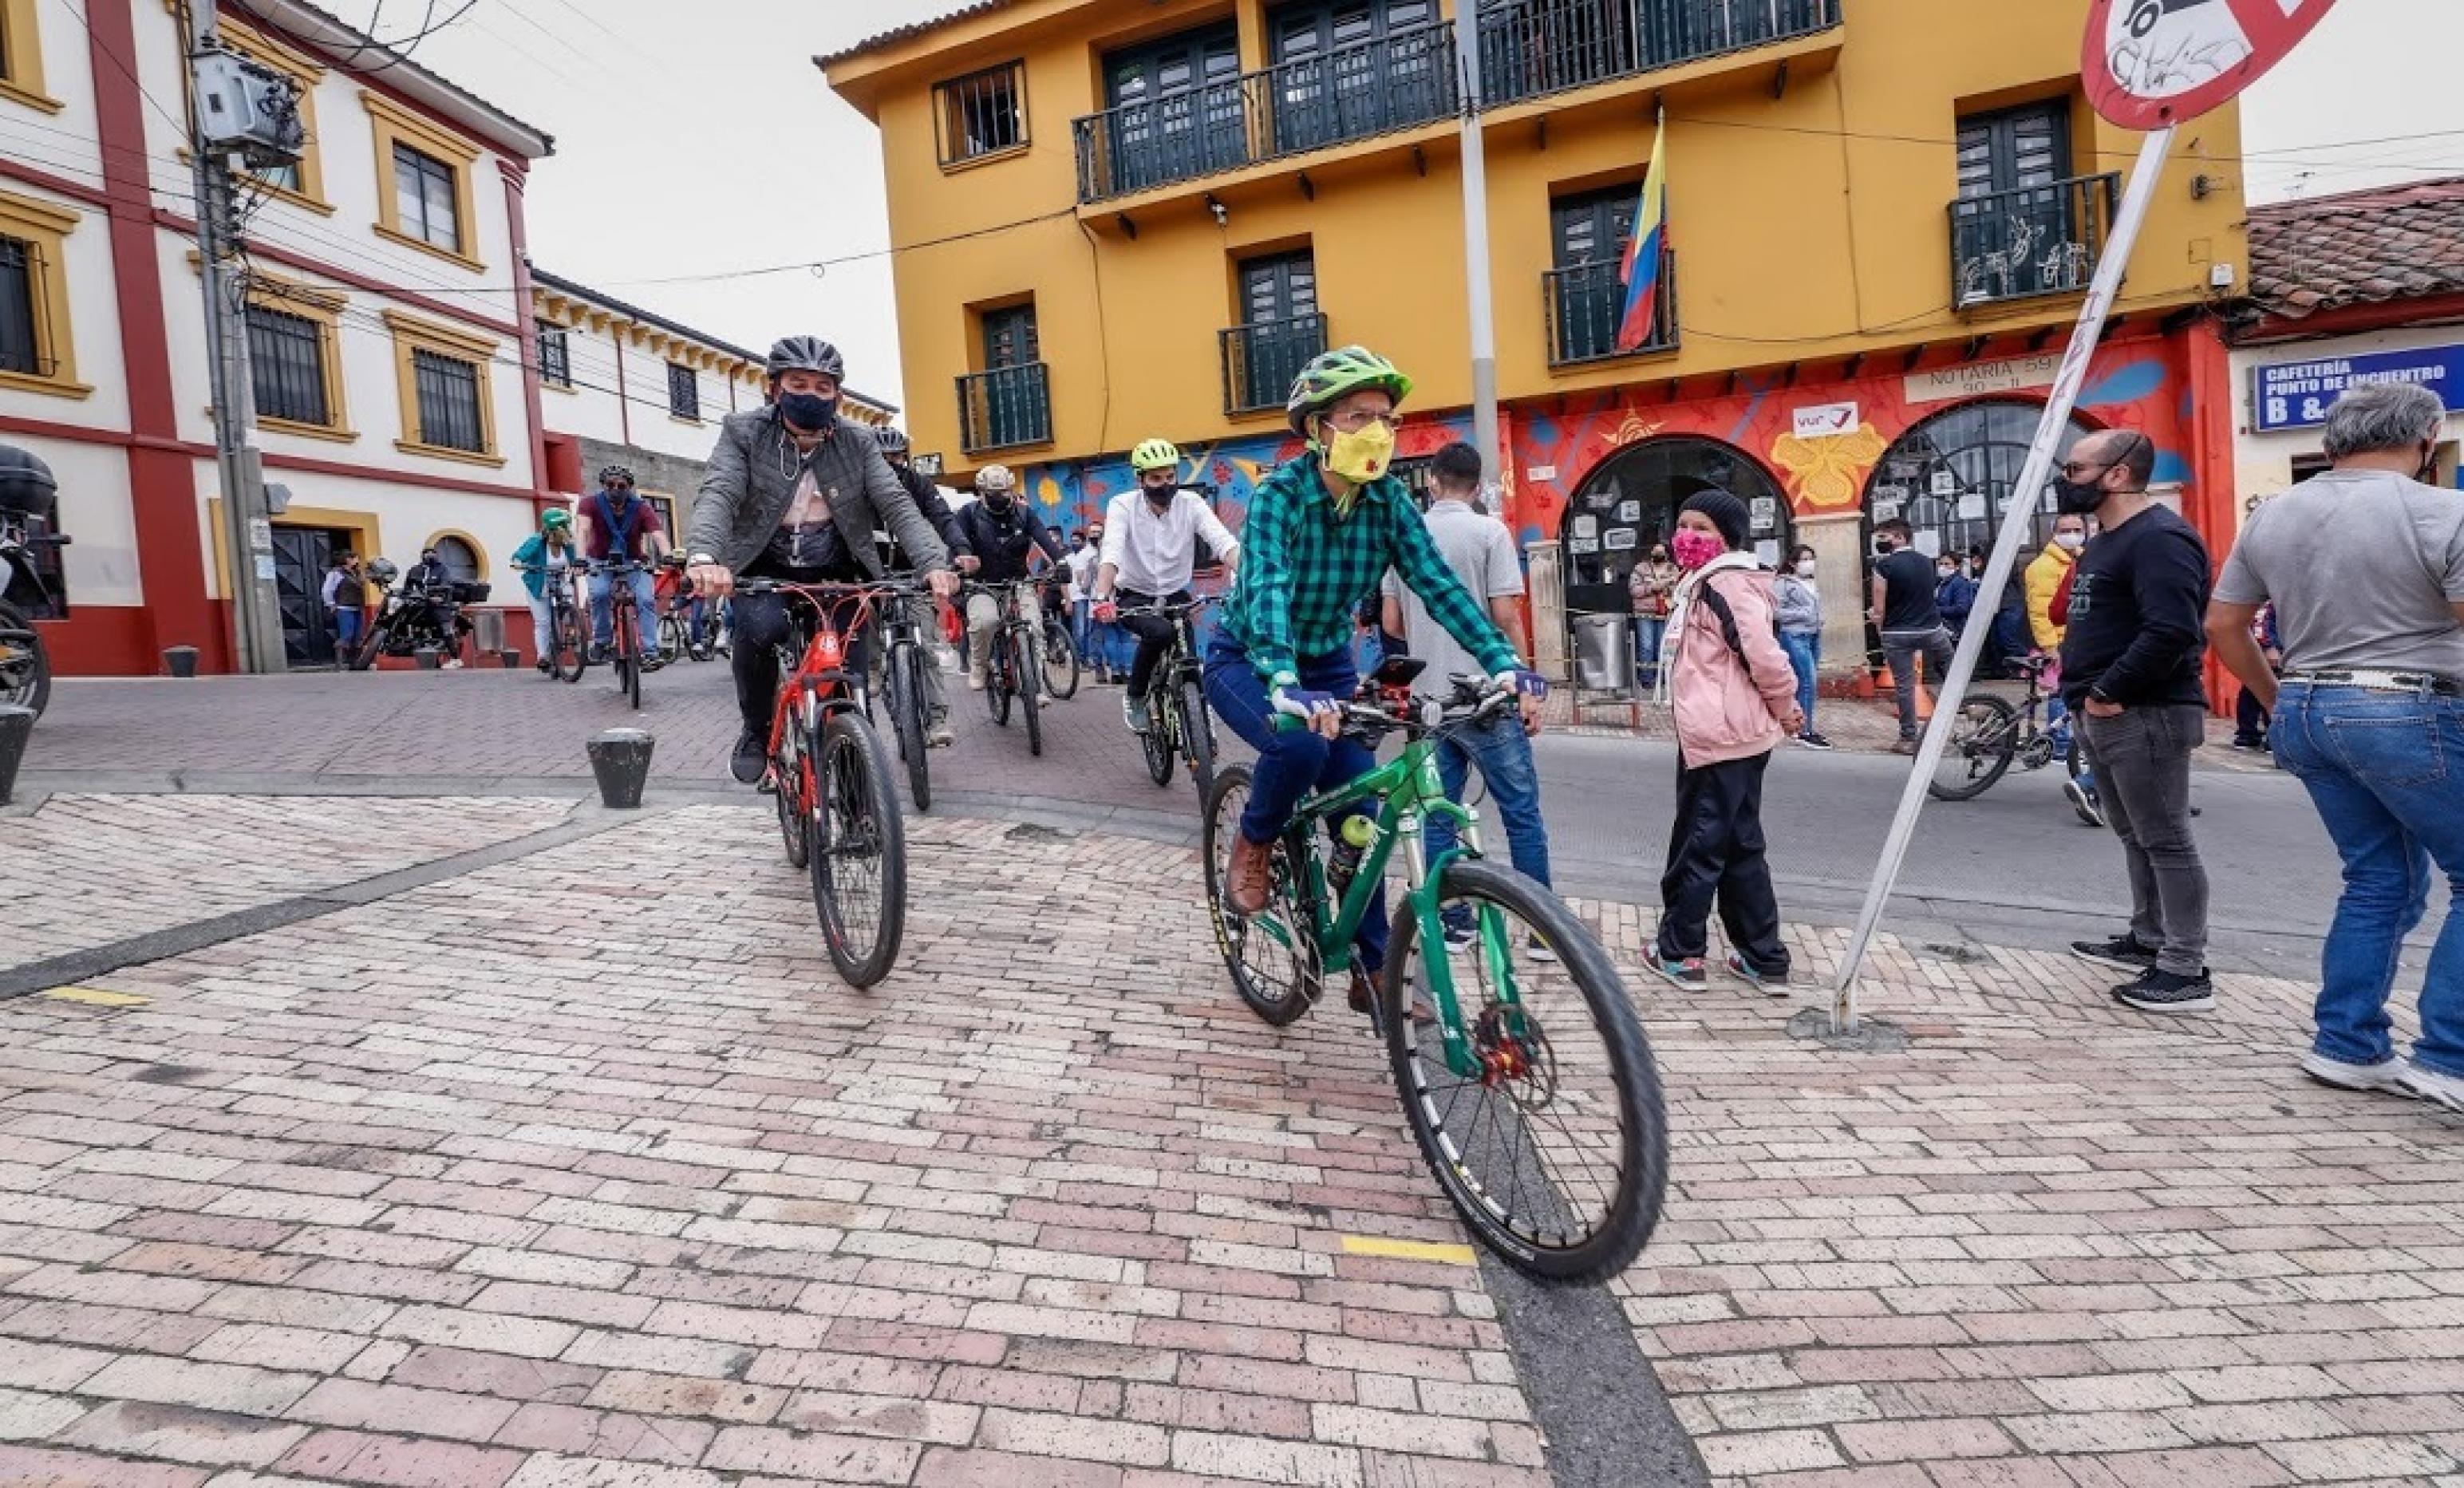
1332, 376
1155, 455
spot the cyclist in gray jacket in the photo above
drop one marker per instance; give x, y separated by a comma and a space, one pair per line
792, 495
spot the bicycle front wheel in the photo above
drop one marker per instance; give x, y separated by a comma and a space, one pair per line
1060, 662
907, 714
1272, 954
1030, 683
570, 658
859, 859
1197, 737
1555, 1152
1984, 739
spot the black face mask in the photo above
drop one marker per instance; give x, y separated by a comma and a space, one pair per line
810, 412
1883, 547
2077, 497
1160, 497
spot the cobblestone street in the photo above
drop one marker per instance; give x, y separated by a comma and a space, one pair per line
582, 1168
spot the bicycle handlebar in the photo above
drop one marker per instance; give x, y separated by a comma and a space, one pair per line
1170, 611
1476, 700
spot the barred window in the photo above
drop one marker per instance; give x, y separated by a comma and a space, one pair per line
287, 367
21, 344
450, 415
981, 114
684, 391
555, 356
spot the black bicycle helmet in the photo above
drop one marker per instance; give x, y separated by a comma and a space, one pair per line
615, 472
806, 354
892, 441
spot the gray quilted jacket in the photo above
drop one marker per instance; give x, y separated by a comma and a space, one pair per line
752, 479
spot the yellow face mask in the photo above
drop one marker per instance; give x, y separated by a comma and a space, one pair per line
1360, 457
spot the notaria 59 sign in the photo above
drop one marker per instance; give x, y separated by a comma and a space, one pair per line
2154, 62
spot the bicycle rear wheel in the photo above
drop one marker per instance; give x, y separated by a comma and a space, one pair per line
570, 658
907, 705
1060, 662
1984, 739
859, 861
1555, 1154
1030, 684
1272, 954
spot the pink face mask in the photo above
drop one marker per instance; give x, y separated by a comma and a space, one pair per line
1694, 549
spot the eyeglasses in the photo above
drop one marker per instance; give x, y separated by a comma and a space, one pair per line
620, 485
1354, 423
2074, 467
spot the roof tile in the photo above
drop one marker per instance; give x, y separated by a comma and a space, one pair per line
2359, 247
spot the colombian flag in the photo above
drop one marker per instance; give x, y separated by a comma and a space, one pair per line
1643, 248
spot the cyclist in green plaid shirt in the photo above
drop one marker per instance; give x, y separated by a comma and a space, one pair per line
1323, 528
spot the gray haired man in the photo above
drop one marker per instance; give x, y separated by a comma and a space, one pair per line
2364, 565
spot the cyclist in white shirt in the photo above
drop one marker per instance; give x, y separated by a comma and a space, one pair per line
1150, 551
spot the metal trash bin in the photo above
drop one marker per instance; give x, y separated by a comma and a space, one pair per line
488, 630
1603, 653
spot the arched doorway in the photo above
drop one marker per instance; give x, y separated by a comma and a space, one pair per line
1950, 477
1630, 501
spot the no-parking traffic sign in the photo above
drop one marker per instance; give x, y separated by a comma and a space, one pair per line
2149, 63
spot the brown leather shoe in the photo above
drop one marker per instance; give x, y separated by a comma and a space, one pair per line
1363, 998
1247, 878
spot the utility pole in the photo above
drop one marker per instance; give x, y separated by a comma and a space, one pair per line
247, 530
1475, 213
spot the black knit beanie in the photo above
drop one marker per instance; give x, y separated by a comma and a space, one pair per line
1727, 511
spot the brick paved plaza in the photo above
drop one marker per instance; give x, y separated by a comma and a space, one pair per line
581, 1168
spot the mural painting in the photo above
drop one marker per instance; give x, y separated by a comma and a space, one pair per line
1073, 492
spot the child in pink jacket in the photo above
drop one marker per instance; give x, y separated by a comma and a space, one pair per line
1734, 696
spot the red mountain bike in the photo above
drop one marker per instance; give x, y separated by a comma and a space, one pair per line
837, 813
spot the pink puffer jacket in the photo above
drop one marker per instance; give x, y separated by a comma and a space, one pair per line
1722, 713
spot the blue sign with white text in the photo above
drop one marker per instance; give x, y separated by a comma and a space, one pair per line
2297, 394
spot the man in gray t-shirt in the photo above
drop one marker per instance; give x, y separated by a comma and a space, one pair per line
2366, 568
1481, 551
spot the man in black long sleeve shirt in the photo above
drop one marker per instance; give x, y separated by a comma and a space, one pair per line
928, 500
2131, 672
1002, 530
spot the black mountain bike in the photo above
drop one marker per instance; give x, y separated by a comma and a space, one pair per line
900, 662
1179, 726
626, 652
1014, 670
569, 650
1989, 736
1060, 661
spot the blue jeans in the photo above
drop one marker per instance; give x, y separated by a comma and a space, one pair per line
603, 615
1082, 631
2383, 768
349, 619
1503, 751
1804, 648
1292, 762
1648, 630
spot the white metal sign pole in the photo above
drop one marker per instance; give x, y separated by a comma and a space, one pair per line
2017, 519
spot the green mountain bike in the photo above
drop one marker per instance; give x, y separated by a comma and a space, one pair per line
1524, 1072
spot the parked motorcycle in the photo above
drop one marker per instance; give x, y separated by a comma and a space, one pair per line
415, 617
29, 511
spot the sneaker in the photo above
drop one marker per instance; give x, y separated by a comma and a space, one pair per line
975, 684
1136, 713
1685, 976
2436, 1086
2249, 746
1458, 932
937, 734
2159, 991
1539, 950
2385, 1074
752, 758
1761, 981
2083, 801
1809, 740
541, 664
1904, 747
2123, 951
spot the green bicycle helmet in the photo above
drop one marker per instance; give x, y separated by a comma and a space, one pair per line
555, 519
1155, 455
1332, 376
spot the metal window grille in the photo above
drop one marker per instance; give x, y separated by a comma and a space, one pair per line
286, 358
981, 114
684, 391
1004, 407
21, 339
447, 391
555, 356
423, 198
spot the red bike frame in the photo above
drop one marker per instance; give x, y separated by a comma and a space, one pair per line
822, 669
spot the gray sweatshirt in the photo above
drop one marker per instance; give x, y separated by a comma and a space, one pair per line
1800, 605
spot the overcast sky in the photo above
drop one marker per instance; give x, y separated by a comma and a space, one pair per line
694, 137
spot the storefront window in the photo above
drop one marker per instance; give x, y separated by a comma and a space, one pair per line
1631, 500
1950, 477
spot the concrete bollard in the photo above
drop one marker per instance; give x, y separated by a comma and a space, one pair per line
621, 759
180, 661
16, 726
509, 659
428, 658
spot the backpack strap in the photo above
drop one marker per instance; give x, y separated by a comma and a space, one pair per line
1718, 604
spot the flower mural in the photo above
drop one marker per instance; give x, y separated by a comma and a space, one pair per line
1828, 474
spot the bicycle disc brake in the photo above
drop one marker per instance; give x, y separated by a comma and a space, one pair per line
1515, 1056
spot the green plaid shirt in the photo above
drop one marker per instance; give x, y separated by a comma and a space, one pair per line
1303, 572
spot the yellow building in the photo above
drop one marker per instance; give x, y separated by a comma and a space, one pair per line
1124, 218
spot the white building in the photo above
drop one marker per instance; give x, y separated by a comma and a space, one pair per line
623, 386
2357, 287
388, 319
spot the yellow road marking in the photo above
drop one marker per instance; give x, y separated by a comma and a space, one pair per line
1408, 1250
97, 996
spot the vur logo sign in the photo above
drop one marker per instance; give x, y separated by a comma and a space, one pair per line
2153, 62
